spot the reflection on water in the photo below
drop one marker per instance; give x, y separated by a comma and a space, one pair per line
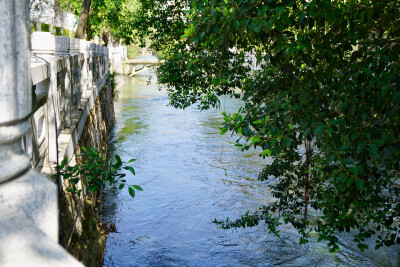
191, 175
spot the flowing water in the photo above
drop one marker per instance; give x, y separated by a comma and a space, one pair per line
190, 175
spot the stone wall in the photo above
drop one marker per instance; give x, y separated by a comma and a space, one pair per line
84, 235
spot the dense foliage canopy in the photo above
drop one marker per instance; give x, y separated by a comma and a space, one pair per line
106, 18
323, 102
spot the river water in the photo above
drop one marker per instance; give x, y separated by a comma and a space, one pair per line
190, 175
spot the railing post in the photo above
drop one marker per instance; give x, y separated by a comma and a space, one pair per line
62, 52
76, 70
84, 66
93, 60
89, 66
44, 46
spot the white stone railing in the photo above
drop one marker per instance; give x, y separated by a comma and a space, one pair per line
64, 72
117, 53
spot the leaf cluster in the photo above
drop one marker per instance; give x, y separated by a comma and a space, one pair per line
107, 16
94, 172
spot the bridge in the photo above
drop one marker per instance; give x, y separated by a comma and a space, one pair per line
143, 64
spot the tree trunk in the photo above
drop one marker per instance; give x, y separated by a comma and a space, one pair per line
104, 37
88, 32
83, 18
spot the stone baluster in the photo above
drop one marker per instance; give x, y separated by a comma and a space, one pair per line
76, 69
104, 60
28, 201
99, 60
89, 66
44, 46
107, 59
84, 66
93, 60
62, 52
96, 56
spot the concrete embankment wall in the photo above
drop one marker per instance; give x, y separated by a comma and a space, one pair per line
84, 235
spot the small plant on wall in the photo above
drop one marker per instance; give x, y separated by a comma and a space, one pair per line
95, 172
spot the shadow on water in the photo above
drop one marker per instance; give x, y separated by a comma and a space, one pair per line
191, 175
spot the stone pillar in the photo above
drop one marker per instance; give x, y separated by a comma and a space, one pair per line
89, 65
62, 52
107, 58
28, 201
15, 98
93, 60
76, 69
44, 46
84, 66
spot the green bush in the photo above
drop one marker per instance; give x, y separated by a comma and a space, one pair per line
45, 27
95, 172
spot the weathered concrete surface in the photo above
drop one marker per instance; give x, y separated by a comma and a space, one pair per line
24, 244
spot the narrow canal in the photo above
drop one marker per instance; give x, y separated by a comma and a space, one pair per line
190, 175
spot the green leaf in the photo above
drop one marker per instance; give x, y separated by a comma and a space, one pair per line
290, 126
360, 184
118, 158
255, 139
121, 186
129, 168
287, 142
307, 132
223, 131
215, 81
132, 160
236, 24
131, 191
373, 150
137, 187
319, 129
267, 152
94, 152
225, 12
361, 146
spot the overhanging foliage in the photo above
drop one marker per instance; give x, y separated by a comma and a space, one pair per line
324, 104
